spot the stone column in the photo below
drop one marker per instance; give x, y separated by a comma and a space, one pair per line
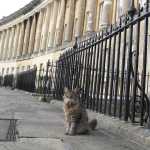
11, 41
26, 38
1, 36
13, 46
32, 35
106, 15
69, 21
46, 27
52, 27
7, 47
90, 15
79, 18
2, 44
6, 44
21, 39
60, 23
114, 12
16, 40
38, 32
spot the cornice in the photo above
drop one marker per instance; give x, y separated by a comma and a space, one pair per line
27, 14
27, 8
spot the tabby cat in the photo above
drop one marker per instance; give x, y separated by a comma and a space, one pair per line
76, 117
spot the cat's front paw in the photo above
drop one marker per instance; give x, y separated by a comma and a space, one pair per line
72, 133
66, 133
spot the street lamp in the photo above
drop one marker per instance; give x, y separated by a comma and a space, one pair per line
75, 46
132, 9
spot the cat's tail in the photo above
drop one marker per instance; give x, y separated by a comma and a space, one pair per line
93, 124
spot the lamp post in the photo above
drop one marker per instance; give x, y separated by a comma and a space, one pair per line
75, 46
132, 9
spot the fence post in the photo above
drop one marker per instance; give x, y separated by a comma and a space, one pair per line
136, 61
129, 62
144, 64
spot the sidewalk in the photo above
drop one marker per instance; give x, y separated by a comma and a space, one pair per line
40, 126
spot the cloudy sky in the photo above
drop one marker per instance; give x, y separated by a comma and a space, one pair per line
9, 6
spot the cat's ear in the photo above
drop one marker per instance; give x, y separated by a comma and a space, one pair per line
66, 90
76, 90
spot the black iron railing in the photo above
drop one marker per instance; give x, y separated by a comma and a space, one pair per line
7, 81
1, 80
26, 80
110, 68
46, 80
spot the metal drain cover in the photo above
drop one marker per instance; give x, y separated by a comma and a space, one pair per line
8, 129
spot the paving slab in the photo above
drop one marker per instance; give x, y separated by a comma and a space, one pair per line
4, 126
34, 144
43, 129
40, 126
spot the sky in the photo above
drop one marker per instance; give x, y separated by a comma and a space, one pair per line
9, 6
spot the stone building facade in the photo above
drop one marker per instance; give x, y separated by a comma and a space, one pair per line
42, 30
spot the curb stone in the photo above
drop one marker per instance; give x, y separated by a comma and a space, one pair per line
134, 133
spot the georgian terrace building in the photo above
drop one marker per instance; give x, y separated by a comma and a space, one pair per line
44, 28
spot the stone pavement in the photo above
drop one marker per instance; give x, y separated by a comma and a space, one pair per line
40, 126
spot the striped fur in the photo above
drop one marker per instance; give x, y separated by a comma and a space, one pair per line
76, 117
